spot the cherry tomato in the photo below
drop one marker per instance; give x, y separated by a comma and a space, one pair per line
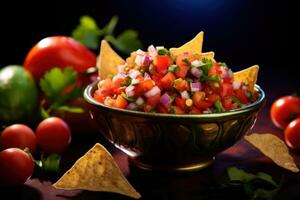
53, 135
59, 51
18, 135
284, 109
292, 134
16, 167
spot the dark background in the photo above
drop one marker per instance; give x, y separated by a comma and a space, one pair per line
241, 32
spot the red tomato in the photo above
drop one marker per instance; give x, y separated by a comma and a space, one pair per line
59, 51
16, 167
215, 70
18, 135
241, 95
154, 100
180, 103
183, 65
120, 102
292, 134
53, 135
143, 86
162, 62
167, 80
284, 109
181, 85
226, 89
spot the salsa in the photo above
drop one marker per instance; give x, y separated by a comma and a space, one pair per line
156, 81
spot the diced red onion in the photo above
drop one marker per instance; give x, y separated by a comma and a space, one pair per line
185, 95
121, 68
134, 81
165, 99
224, 73
139, 59
118, 76
123, 74
129, 91
140, 52
134, 73
154, 91
236, 85
146, 60
152, 51
196, 86
147, 76
197, 63
196, 72
131, 106
139, 101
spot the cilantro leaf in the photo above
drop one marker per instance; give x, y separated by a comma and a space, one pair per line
88, 33
218, 107
215, 77
56, 80
126, 42
110, 27
207, 65
163, 51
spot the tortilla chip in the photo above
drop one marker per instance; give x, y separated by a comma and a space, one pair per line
108, 60
247, 76
274, 148
96, 171
193, 46
209, 55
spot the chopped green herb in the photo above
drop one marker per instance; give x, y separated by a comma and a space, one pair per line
185, 60
207, 66
173, 68
127, 82
130, 99
215, 77
218, 107
163, 51
236, 100
178, 80
222, 64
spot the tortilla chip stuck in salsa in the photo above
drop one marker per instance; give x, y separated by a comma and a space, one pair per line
96, 171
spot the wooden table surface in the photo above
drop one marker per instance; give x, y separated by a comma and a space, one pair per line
195, 185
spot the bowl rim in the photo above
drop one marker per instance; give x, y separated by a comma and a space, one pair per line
248, 108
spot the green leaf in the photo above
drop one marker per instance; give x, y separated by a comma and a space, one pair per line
126, 42
173, 68
163, 51
215, 77
50, 163
265, 194
44, 113
87, 32
236, 174
110, 27
71, 109
266, 177
219, 107
185, 60
56, 80
208, 65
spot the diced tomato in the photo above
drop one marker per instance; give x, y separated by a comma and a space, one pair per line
117, 83
198, 96
202, 105
99, 96
167, 80
195, 111
120, 102
182, 71
154, 100
180, 103
162, 62
181, 85
148, 108
215, 70
157, 79
143, 87
241, 95
178, 110
183, 65
213, 98
103, 92
226, 89
130, 60
227, 102
162, 109
120, 90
